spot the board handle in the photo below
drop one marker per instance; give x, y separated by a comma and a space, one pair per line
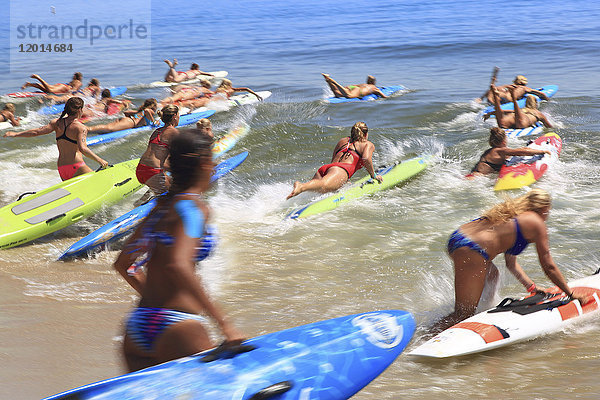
226, 350
273, 390
24, 194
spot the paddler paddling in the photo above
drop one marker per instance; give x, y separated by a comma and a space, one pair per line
349, 155
494, 158
354, 91
180, 76
520, 90
519, 118
58, 88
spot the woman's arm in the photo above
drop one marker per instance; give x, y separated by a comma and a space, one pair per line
245, 89
181, 272
513, 266
43, 130
550, 268
84, 149
15, 121
367, 159
521, 151
127, 256
539, 94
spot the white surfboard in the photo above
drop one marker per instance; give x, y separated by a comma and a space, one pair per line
514, 321
226, 104
218, 75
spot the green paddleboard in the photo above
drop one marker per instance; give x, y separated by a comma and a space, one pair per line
61, 205
392, 176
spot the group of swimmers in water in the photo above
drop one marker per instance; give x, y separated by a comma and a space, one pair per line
158, 260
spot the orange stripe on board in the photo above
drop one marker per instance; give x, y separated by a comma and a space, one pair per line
568, 311
489, 333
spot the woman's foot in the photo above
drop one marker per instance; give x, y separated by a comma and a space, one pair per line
295, 190
26, 85
169, 63
175, 62
326, 76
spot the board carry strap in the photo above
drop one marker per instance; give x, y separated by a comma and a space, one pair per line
226, 351
273, 390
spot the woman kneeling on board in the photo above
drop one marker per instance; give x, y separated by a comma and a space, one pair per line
493, 158
519, 118
70, 139
349, 155
166, 324
506, 228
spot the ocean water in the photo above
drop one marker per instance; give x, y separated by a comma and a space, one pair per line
62, 321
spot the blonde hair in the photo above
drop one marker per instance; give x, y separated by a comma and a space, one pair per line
534, 200
204, 123
497, 137
10, 107
359, 131
226, 83
531, 102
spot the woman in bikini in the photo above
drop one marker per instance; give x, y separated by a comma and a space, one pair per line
58, 88
7, 114
70, 140
227, 90
91, 90
143, 116
354, 91
151, 168
180, 76
493, 158
166, 324
506, 228
350, 154
519, 118
186, 93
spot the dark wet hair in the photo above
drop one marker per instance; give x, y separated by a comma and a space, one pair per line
371, 80
78, 76
168, 112
497, 136
106, 94
73, 105
195, 66
188, 151
148, 103
94, 82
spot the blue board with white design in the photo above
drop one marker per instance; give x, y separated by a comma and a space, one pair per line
548, 90
58, 108
387, 90
127, 222
532, 130
327, 360
184, 120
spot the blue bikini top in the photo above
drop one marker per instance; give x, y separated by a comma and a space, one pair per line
520, 242
194, 226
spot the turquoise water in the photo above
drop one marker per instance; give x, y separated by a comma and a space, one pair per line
386, 251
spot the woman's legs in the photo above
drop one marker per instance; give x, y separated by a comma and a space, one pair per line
505, 120
123, 123
470, 271
181, 339
337, 89
172, 75
333, 180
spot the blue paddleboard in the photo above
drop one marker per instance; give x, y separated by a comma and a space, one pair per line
124, 224
327, 360
548, 90
58, 108
186, 119
387, 90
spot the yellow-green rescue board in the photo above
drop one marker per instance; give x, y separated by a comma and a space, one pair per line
63, 204
392, 176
